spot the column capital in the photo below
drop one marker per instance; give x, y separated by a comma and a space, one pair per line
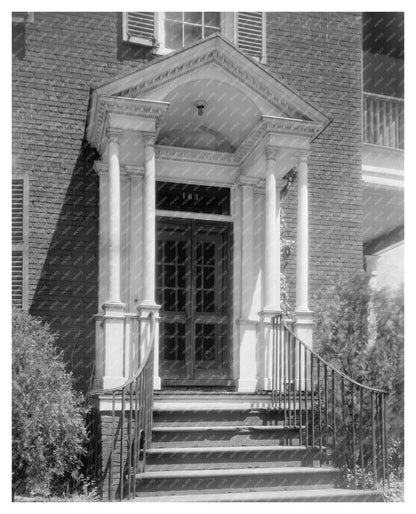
243, 180
113, 134
303, 156
149, 138
271, 152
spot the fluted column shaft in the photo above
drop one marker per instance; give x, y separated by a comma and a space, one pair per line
149, 219
114, 228
302, 243
272, 234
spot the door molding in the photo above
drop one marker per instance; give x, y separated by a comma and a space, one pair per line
198, 329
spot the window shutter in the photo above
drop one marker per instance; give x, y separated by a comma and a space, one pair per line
17, 210
250, 33
140, 27
17, 278
19, 243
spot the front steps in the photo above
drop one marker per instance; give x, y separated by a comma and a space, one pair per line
232, 447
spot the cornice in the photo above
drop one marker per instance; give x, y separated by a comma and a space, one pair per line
172, 153
220, 59
106, 106
278, 126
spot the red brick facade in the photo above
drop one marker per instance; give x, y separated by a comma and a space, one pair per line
58, 58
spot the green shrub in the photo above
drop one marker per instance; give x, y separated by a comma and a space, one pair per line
48, 433
361, 332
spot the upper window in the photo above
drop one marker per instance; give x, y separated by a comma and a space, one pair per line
184, 28
169, 31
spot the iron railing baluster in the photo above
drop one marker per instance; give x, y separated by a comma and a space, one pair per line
361, 436
354, 471
373, 441
312, 404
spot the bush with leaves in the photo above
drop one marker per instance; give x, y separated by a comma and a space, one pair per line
361, 332
48, 432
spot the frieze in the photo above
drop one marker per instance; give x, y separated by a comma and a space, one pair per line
191, 155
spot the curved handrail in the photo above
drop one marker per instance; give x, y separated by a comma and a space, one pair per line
341, 373
129, 429
328, 408
131, 380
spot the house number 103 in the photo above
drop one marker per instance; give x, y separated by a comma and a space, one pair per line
190, 196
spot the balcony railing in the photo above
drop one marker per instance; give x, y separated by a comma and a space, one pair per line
383, 120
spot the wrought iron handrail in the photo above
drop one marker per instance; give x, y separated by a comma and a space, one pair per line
131, 423
346, 420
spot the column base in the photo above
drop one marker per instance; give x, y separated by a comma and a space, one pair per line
148, 305
247, 385
114, 309
267, 384
111, 382
269, 312
145, 309
157, 383
303, 326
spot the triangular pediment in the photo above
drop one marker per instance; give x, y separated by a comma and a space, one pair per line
198, 61
242, 101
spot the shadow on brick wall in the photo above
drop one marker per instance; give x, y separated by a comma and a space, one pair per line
67, 291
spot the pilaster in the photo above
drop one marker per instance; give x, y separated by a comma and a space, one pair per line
247, 324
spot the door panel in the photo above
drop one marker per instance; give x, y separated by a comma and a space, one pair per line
193, 289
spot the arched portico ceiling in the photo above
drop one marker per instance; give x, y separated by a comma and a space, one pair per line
239, 94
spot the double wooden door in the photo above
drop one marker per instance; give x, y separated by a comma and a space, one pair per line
193, 289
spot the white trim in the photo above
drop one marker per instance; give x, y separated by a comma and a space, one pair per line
383, 177
194, 215
196, 181
387, 249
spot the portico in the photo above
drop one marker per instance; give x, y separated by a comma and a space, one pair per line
211, 277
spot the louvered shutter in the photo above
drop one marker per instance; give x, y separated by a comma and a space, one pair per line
17, 210
17, 241
140, 27
250, 33
17, 278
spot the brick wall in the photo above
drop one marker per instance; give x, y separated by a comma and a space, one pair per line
59, 57
319, 56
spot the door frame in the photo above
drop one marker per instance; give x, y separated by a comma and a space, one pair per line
228, 224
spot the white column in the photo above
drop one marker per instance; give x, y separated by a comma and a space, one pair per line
149, 221
148, 304
248, 365
114, 228
302, 243
271, 279
303, 316
271, 235
111, 342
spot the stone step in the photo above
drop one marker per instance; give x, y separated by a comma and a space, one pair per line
235, 480
224, 435
206, 404
170, 416
314, 495
225, 457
